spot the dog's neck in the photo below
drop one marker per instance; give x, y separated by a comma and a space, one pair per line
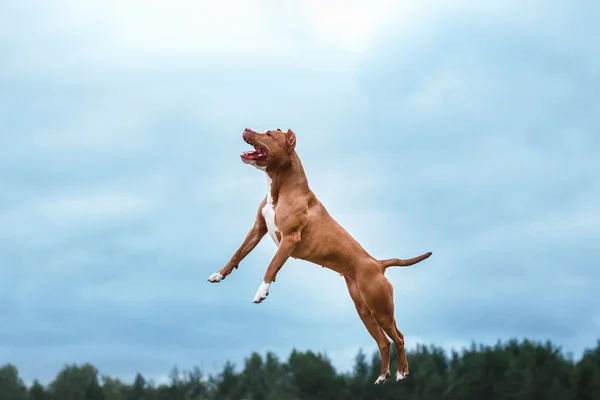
287, 176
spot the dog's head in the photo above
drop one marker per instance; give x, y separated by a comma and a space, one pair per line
272, 148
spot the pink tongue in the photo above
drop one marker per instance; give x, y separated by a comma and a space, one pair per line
251, 154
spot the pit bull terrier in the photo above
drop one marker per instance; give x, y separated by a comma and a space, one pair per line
302, 228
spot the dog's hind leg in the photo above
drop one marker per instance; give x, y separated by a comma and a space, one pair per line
378, 295
383, 343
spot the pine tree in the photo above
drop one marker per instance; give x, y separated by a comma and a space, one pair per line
515, 386
37, 391
11, 385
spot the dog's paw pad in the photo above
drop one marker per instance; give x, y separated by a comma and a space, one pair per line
216, 277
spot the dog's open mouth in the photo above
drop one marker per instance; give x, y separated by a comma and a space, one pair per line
258, 153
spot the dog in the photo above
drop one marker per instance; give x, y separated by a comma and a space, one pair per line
302, 228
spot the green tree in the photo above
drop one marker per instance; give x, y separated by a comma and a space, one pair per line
11, 385
228, 384
253, 378
194, 386
587, 375
516, 382
277, 379
512, 370
427, 379
468, 378
76, 382
550, 371
138, 389
315, 378
358, 382
37, 391
114, 389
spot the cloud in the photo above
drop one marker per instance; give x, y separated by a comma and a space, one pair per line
468, 131
97, 36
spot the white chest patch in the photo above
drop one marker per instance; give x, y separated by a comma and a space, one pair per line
268, 213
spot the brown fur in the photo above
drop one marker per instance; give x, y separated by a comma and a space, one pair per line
308, 232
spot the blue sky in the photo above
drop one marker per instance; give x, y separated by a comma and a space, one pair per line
470, 131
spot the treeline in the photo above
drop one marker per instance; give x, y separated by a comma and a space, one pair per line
509, 371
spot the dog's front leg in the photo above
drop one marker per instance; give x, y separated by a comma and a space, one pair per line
284, 251
253, 237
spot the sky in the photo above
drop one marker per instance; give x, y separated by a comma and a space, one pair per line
469, 130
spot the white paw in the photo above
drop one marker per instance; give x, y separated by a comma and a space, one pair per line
216, 277
401, 375
262, 292
382, 378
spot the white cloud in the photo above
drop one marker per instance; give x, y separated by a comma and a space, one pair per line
554, 226
441, 90
349, 25
49, 221
309, 33
254, 28
91, 131
93, 207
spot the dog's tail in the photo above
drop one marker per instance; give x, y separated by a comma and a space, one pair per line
396, 262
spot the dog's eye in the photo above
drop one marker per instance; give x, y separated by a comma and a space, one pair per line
269, 134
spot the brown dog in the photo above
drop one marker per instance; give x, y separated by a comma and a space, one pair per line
302, 228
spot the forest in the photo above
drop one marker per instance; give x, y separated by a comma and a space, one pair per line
511, 370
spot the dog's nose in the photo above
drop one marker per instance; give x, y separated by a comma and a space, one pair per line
246, 132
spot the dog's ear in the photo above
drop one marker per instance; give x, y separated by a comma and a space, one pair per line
291, 140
